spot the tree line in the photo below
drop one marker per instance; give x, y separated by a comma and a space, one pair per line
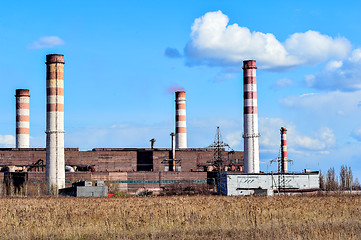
342, 182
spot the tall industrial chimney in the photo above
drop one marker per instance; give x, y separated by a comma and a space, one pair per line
22, 118
250, 121
284, 168
180, 120
55, 164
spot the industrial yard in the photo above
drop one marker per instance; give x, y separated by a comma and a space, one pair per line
181, 217
149, 169
194, 120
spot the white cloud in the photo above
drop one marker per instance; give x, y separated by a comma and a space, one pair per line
282, 83
356, 55
47, 42
333, 65
356, 133
330, 103
234, 138
216, 43
343, 75
270, 133
7, 140
310, 80
321, 140
312, 47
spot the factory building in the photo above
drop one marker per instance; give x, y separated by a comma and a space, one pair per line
130, 169
236, 184
127, 168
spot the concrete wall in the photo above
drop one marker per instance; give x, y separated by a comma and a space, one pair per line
102, 160
127, 182
239, 184
118, 159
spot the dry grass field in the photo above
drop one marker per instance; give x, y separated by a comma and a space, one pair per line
181, 217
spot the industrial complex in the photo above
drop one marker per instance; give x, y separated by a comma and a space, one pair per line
153, 169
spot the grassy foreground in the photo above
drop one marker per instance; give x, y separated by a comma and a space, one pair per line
181, 217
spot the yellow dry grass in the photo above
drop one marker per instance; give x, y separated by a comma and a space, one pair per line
181, 217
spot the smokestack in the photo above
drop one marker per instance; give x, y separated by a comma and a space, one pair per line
180, 120
171, 162
152, 141
22, 118
173, 145
284, 168
250, 115
55, 164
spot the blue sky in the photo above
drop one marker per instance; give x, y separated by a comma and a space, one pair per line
124, 58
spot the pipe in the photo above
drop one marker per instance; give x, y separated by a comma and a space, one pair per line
172, 160
250, 115
22, 118
152, 141
55, 164
180, 120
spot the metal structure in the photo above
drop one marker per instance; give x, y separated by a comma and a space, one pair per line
152, 141
172, 135
172, 162
282, 160
250, 135
55, 164
22, 118
219, 146
180, 120
37, 166
218, 160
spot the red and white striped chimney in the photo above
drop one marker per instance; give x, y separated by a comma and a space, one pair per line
180, 120
284, 167
55, 164
250, 115
22, 118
